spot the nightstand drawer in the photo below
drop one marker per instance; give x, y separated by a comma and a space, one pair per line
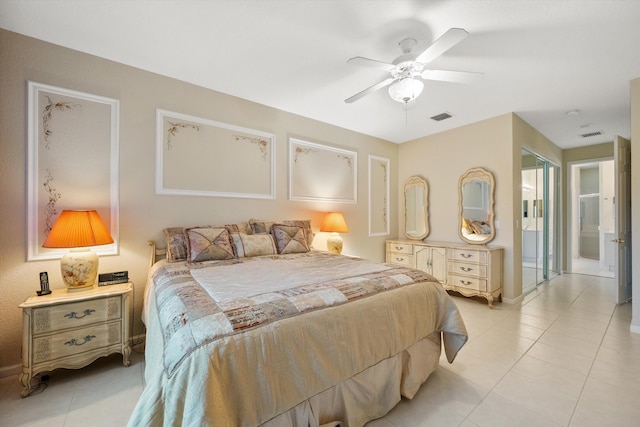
76, 341
468, 255
400, 259
73, 315
400, 248
468, 269
468, 282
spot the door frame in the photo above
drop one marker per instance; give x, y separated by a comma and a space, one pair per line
569, 204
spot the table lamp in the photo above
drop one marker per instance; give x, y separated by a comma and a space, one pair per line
78, 230
334, 224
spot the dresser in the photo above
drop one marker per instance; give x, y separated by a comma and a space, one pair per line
471, 270
71, 329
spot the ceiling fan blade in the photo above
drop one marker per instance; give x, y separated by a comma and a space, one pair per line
452, 76
369, 90
366, 62
440, 46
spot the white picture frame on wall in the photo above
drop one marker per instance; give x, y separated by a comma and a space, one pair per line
72, 162
196, 156
379, 191
320, 172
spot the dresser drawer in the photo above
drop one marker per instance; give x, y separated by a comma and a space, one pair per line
400, 259
468, 269
73, 315
467, 282
400, 248
75, 341
468, 255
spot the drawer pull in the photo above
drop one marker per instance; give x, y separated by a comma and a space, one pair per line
399, 248
399, 259
467, 269
466, 255
75, 342
465, 282
74, 315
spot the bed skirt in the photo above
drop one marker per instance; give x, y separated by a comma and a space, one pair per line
370, 394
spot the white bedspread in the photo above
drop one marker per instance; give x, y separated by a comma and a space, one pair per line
265, 276
249, 378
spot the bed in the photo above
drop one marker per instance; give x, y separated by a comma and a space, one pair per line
249, 326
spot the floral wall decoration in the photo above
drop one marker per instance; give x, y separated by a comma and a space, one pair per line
174, 128
47, 116
72, 162
322, 172
378, 196
261, 143
215, 159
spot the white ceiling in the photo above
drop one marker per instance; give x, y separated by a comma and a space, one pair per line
540, 59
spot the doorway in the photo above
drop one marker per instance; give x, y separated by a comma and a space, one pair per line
592, 218
540, 220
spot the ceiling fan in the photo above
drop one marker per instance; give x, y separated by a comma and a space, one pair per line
404, 85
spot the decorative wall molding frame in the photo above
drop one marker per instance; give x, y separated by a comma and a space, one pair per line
322, 173
379, 187
201, 157
72, 162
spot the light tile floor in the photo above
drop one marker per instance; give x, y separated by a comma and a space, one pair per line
592, 267
564, 357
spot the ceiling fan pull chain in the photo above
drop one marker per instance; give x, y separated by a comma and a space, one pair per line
406, 113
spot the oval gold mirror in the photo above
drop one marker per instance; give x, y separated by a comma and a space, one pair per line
475, 206
416, 208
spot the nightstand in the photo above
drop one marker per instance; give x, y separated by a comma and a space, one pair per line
68, 329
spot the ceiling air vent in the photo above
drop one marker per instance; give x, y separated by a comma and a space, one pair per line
442, 116
590, 134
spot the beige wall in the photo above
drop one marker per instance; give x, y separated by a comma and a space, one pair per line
494, 144
143, 214
442, 158
635, 200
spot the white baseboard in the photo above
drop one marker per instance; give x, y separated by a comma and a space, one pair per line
635, 329
9, 371
512, 300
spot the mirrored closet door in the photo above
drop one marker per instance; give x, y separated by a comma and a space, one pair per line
540, 220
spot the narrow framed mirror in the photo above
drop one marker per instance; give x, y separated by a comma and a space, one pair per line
475, 206
416, 208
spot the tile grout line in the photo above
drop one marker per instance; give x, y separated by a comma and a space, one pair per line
575, 408
549, 285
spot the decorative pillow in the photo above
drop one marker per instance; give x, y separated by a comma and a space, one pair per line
466, 225
208, 243
260, 226
241, 227
176, 244
289, 239
248, 245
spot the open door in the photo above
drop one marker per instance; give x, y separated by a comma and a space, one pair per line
622, 161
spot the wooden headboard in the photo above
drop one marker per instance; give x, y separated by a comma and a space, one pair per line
156, 253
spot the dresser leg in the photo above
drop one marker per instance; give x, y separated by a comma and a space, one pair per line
490, 300
126, 352
25, 380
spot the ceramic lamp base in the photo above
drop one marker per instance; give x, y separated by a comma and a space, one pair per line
79, 269
334, 243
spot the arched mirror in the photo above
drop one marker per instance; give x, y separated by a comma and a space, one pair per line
475, 206
416, 208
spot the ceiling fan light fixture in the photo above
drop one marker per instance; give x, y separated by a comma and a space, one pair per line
405, 90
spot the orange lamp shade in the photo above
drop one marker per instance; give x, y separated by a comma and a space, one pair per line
76, 229
334, 223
